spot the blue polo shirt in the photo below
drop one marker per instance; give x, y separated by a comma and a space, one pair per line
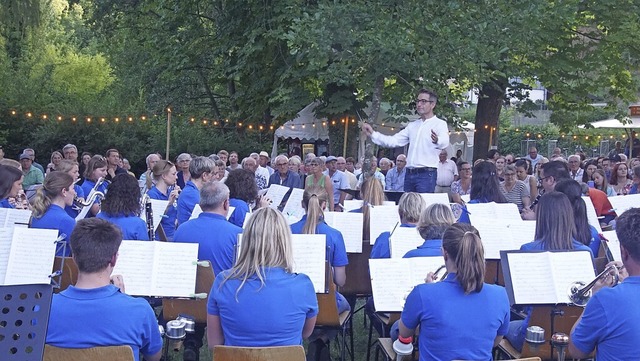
56, 218
240, 213
168, 222
133, 227
69, 209
219, 247
189, 197
595, 241
610, 322
5, 203
83, 318
336, 251
382, 247
430, 248
471, 322
259, 315
539, 246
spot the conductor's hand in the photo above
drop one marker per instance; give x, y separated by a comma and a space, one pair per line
434, 137
368, 130
431, 277
117, 281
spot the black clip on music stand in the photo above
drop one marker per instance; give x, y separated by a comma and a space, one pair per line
23, 321
61, 249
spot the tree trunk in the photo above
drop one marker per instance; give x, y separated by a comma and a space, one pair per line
367, 168
490, 102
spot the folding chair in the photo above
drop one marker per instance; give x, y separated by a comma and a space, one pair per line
328, 317
281, 353
106, 353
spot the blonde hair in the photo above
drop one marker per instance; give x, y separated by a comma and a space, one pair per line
53, 185
434, 220
66, 165
312, 199
266, 242
410, 207
462, 243
372, 194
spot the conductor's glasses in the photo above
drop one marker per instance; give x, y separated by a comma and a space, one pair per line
423, 101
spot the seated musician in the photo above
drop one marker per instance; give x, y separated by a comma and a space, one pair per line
243, 194
485, 187
609, 323
585, 233
555, 229
165, 188
202, 170
56, 193
460, 317
260, 301
372, 194
95, 312
71, 168
434, 220
410, 208
121, 206
96, 169
10, 184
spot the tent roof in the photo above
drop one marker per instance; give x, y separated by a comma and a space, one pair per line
302, 126
615, 123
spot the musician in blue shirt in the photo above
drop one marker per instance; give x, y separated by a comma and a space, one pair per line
485, 188
243, 192
202, 170
609, 323
96, 169
10, 184
71, 168
410, 207
434, 220
121, 207
165, 188
48, 206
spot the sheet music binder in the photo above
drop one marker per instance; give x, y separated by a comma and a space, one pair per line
579, 269
24, 320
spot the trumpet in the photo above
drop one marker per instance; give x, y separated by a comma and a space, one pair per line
580, 294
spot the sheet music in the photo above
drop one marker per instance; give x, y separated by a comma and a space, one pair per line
276, 193
197, 210
158, 208
246, 220
392, 279
309, 253
382, 219
623, 203
351, 204
502, 211
12, 216
6, 235
522, 232
592, 217
433, 198
545, 277
495, 236
403, 240
31, 256
175, 269
466, 198
350, 225
388, 203
613, 244
135, 265
293, 208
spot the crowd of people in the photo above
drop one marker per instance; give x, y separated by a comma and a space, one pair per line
257, 299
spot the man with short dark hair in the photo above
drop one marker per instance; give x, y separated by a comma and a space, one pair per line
94, 312
233, 161
609, 323
113, 164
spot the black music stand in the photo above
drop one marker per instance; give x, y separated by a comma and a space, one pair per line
23, 321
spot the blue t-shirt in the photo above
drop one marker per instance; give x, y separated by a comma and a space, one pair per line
83, 318
382, 247
189, 197
168, 222
5, 203
610, 322
133, 227
240, 213
336, 251
219, 247
430, 248
539, 246
259, 315
447, 317
69, 209
595, 241
56, 218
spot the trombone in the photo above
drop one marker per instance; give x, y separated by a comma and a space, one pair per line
580, 294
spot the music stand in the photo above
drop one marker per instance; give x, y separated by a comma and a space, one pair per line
23, 321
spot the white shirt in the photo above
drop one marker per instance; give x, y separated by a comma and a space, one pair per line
353, 180
446, 173
263, 172
578, 175
422, 151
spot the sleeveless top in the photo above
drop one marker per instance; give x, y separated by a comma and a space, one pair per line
309, 181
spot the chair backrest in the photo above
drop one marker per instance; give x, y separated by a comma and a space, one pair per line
105, 353
327, 306
358, 280
69, 272
172, 307
280, 353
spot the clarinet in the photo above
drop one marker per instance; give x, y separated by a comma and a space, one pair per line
149, 215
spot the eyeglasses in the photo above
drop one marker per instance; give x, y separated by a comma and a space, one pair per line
424, 101
279, 164
465, 169
400, 161
509, 174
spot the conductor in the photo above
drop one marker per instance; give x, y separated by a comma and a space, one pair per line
426, 137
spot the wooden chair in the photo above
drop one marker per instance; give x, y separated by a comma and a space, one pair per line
493, 272
282, 353
328, 317
69, 272
106, 353
172, 307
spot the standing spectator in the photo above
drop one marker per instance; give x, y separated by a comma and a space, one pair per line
533, 156
233, 161
447, 173
264, 160
224, 156
32, 175
395, 176
182, 164
264, 172
250, 164
113, 167
339, 181
342, 166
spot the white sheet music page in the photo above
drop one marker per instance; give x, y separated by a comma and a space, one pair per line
276, 193
196, 212
135, 265
174, 269
403, 240
531, 278
613, 244
592, 217
17, 216
6, 235
433, 198
293, 210
351, 204
421, 266
31, 256
466, 198
496, 211
382, 219
495, 236
569, 267
350, 225
623, 203
522, 232
309, 253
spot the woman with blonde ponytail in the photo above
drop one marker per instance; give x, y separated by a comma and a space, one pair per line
473, 315
56, 193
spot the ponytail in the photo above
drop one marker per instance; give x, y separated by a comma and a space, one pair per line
53, 185
462, 242
312, 202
